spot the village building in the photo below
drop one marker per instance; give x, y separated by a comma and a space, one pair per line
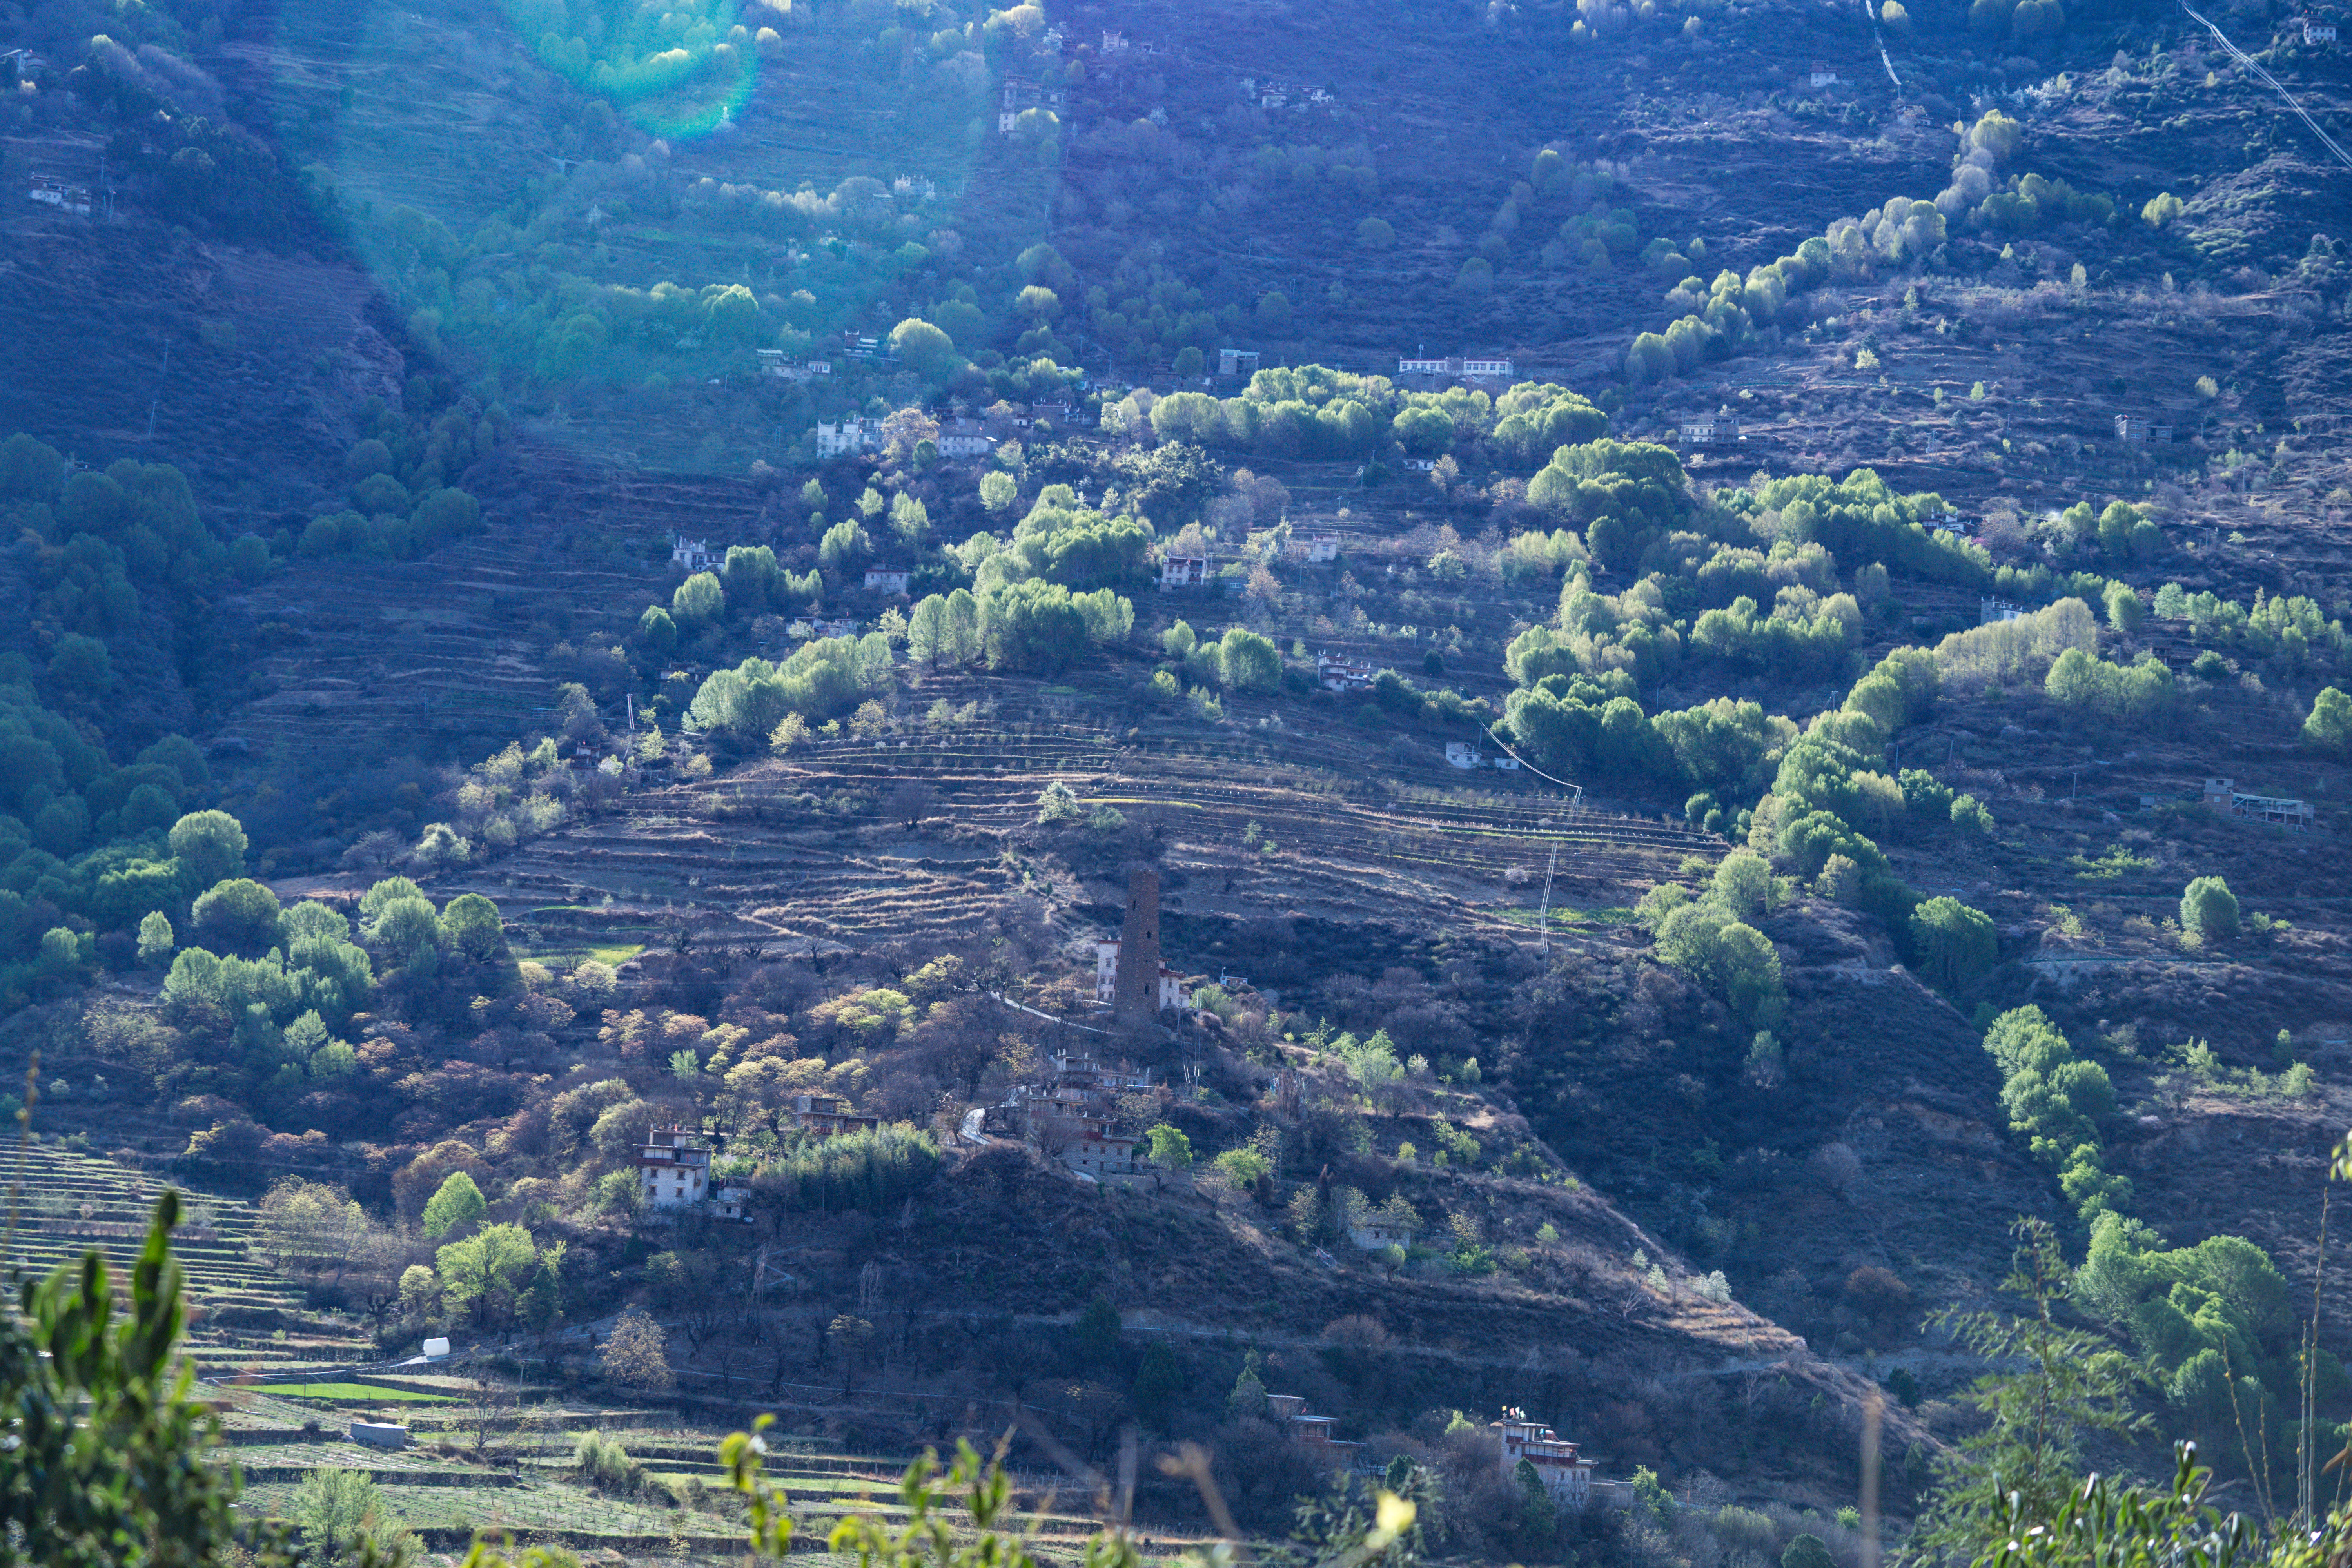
829, 1116
728, 1203
1717, 429
1458, 365
1306, 1427
1322, 545
776, 363
1021, 95
1081, 1068
889, 579
1567, 1479
1114, 42
2224, 796
1171, 984
1183, 572
852, 435
2134, 430
1992, 610
673, 1168
695, 554
1333, 674
1372, 1232
1141, 983
1237, 361
1094, 1150
1821, 77
913, 187
964, 440
2318, 30
1462, 754
834, 629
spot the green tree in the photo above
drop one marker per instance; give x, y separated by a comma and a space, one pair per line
380, 896
1806, 1550
699, 600
239, 915
657, 630
343, 1517
1248, 1396
1538, 1519
2056, 1387
1095, 1336
924, 349
998, 490
1743, 884
407, 927
1955, 943
107, 1463
155, 941
1652, 1497
844, 544
470, 925
1158, 1380
1733, 960
487, 1270
2209, 910
1248, 662
1032, 627
1170, 1148
211, 844
456, 1204
2124, 612
2329, 728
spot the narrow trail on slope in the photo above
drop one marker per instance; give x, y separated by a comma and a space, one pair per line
1870, 9
2268, 80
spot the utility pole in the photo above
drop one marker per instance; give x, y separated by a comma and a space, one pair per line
158, 398
1544, 919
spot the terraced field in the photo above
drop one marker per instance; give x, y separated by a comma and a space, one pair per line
767, 853
249, 1320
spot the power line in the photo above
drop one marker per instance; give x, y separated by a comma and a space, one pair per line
2285, 97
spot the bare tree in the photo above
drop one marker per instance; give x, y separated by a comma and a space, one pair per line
910, 801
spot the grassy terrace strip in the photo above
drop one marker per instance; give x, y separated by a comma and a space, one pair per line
352, 1393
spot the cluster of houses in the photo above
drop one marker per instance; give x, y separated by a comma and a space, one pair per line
1178, 572
1069, 1114
1565, 1474
50, 191
1115, 42
960, 438
673, 1162
1274, 93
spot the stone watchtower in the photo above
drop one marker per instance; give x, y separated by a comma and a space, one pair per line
1137, 988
